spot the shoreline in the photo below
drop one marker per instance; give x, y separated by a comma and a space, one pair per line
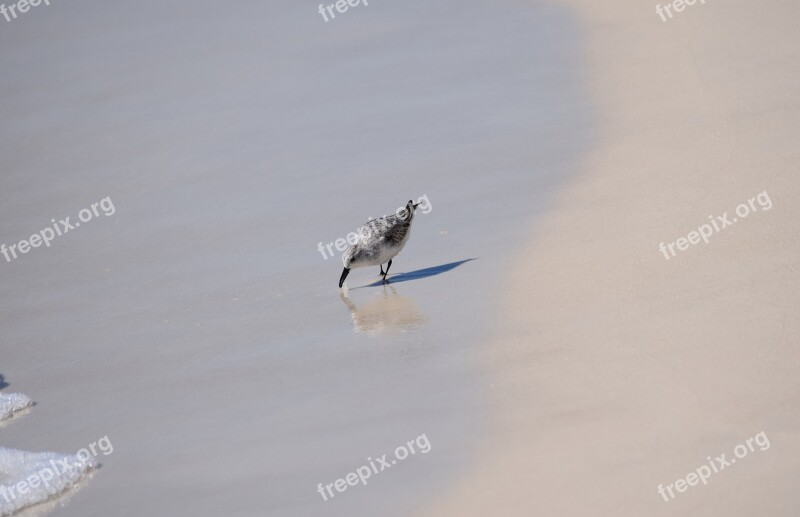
614, 371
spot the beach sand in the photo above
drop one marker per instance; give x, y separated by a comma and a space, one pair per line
613, 369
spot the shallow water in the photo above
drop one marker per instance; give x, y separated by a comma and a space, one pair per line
198, 326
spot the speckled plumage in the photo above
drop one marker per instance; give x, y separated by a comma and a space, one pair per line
379, 241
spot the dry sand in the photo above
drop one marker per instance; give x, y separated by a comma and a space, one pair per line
614, 369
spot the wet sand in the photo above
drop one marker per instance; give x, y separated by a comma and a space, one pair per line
198, 327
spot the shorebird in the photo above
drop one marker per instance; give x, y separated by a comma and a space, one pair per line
379, 241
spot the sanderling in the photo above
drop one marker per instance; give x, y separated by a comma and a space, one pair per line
379, 241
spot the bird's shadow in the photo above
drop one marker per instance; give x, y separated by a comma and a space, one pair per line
419, 273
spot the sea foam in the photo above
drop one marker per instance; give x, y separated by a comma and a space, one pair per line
11, 403
46, 475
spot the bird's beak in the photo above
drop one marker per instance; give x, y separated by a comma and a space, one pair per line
344, 275
416, 205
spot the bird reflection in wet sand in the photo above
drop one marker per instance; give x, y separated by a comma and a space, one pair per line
386, 313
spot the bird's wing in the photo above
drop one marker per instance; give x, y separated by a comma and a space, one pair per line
391, 227
371, 227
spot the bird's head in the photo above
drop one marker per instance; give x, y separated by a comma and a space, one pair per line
347, 256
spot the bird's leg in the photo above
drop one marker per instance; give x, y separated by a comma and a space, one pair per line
381, 273
387, 270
